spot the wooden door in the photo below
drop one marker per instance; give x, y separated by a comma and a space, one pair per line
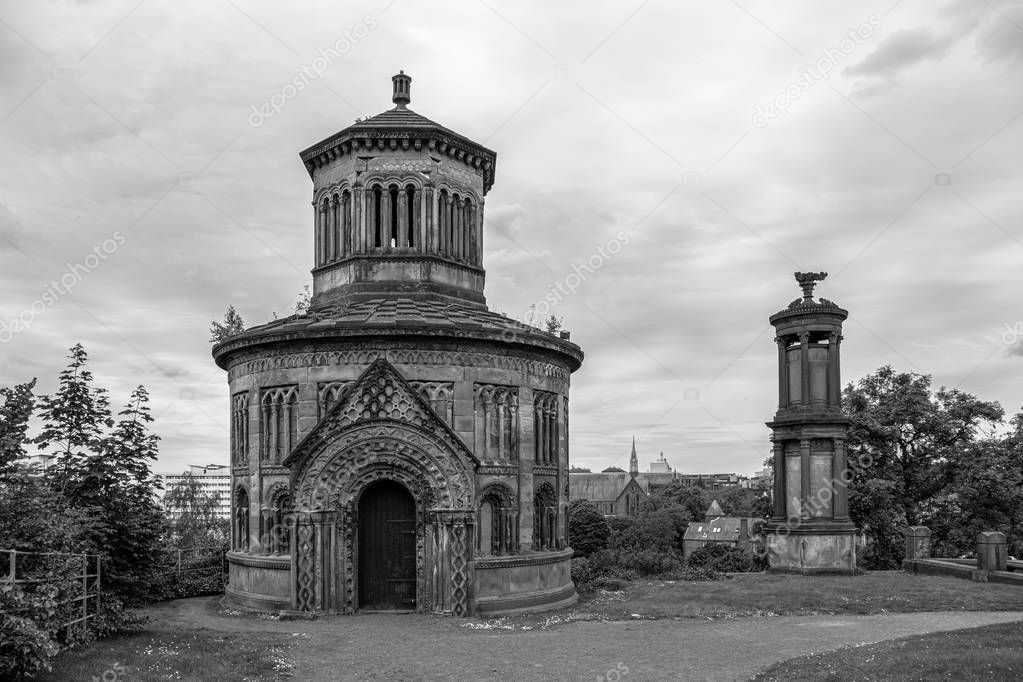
387, 547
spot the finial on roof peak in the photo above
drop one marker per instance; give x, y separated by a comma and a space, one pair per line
402, 89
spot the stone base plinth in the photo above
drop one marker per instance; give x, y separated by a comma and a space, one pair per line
524, 583
816, 551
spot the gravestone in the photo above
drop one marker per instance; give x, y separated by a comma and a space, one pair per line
918, 542
991, 551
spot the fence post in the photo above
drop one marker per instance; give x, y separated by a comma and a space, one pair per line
99, 588
14, 565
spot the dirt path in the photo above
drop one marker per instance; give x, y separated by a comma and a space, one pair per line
414, 647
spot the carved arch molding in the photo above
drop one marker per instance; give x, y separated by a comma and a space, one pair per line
325, 529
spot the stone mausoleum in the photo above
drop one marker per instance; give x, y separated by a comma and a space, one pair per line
809, 530
399, 446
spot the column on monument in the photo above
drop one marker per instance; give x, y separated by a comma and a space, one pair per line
429, 243
804, 369
403, 226
835, 360
274, 435
417, 220
479, 233
527, 455
320, 222
805, 482
451, 226
316, 230
385, 219
841, 478
445, 230
442, 215
286, 422
346, 226
473, 236
332, 240
779, 480
783, 383
460, 229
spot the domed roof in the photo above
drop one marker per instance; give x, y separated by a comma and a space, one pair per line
403, 126
400, 317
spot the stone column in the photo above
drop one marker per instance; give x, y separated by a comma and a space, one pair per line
460, 229
804, 466
429, 244
366, 229
804, 371
403, 226
834, 396
318, 237
479, 234
346, 224
527, 455
385, 219
783, 382
780, 512
417, 220
839, 471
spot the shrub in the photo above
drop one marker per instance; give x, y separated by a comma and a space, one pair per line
588, 530
724, 558
27, 630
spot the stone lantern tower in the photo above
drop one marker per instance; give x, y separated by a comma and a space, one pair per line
399, 446
809, 530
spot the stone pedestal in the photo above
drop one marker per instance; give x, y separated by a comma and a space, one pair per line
811, 551
991, 551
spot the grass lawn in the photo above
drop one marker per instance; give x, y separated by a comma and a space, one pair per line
198, 655
987, 653
762, 594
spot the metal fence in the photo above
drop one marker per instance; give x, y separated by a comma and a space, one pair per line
77, 578
201, 563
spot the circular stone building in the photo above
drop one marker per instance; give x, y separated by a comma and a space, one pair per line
398, 446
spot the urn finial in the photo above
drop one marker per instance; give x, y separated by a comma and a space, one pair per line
807, 281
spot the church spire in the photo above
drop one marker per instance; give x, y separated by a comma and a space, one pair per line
633, 460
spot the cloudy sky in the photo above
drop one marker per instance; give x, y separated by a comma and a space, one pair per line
732, 143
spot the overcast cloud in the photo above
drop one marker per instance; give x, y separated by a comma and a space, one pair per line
137, 177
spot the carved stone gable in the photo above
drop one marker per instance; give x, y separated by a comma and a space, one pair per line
380, 394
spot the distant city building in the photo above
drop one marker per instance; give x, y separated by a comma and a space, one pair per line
616, 493
43, 462
661, 466
718, 528
212, 478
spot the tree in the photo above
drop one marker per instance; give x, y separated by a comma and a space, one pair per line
552, 324
588, 531
18, 403
905, 444
74, 419
232, 325
194, 521
128, 500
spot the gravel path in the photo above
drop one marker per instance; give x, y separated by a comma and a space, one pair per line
418, 647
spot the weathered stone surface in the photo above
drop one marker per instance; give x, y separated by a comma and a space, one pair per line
992, 554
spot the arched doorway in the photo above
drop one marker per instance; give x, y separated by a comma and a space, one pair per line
387, 547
